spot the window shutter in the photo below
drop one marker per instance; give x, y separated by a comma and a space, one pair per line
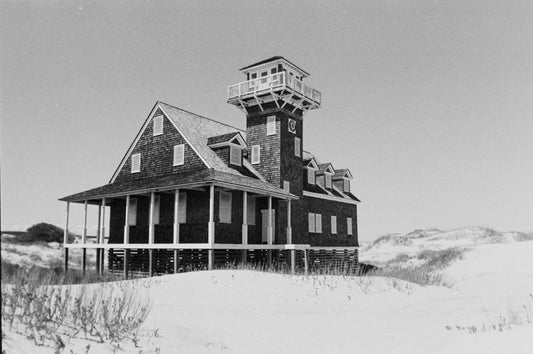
318, 223
310, 176
349, 225
333, 225
235, 155
158, 125
157, 207
132, 212
251, 210
286, 186
271, 125
256, 154
311, 220
135, 163
179, 154
297, 145
182, 211
225, 207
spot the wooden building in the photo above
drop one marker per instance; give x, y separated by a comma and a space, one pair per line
192, 192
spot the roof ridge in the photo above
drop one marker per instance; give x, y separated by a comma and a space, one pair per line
204, 117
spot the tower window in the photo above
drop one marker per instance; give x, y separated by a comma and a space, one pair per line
235, 155
273, 70
297, 147
349, 226
179, 154
135, 163
256, 154
254, 76
158, 125
271, 125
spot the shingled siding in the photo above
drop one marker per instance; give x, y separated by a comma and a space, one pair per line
195, 228
157, 154
328, 208
256, 134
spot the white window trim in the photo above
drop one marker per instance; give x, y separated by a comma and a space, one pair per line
221, 209
271, 125
256, 156
181, 161
297, 147
133, 169
158, 119
232, 161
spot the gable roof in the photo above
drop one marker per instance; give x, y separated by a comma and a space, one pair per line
274, 58
341, 173
221, 138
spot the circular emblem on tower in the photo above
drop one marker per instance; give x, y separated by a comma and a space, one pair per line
292, 126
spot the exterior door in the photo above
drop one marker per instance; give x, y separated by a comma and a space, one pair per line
264, 225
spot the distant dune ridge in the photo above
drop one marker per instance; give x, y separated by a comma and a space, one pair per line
389, 246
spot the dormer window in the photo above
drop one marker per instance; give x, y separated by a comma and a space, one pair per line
235, 155
311, 176
328, 180
346, 185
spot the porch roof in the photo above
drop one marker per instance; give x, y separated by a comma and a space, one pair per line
182, 180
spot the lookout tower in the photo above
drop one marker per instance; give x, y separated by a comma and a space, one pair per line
274, 99
274, 81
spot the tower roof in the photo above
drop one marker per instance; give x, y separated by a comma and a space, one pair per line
271, 59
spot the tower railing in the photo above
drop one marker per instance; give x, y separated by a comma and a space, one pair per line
274, 82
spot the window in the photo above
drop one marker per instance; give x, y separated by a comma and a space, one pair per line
349, 226
310, 176
333, 225
256, 154
315, 223
179, 154
346, 185
135, 163
182, 208
254, 76
286, 186
251, 210
224, 211
157, 204
328, 180
273, 70
132, 212
264, 73
235, 155
158, 125
297, 147
271, 125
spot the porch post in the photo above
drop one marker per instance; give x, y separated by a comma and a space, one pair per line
289, 224
244, 225
211, 226
66, 261
83, 261
306, 261
102, 237
127, 222
176, 231
126, 262
65, 233
98, 231
176, 261
84, 233
151, 234
269, 229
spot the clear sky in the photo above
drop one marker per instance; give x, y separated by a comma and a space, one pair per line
429, 103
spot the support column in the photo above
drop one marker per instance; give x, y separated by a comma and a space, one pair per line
83, 261
151, 218
244, 251
98, 232
176, 261
126, 262
293, 261
306, 261
102, 237
66, 261
151, 262
289, 224
84, 233
176, 231
65, 233
127, 222
211, 227
269, 230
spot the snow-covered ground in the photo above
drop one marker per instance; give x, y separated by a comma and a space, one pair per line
251, 312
